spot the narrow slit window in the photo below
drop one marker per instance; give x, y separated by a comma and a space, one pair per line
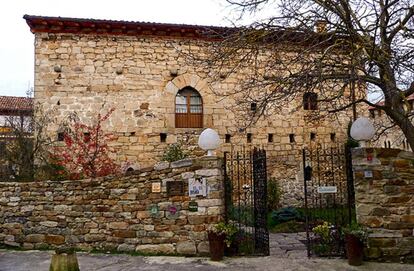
292, 138
253, 106
249, 138
61, 136
228, 138
163, 137
333, 137
270, 138
313, 136
86, 137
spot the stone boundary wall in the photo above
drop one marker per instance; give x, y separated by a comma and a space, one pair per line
384, 195
114, 213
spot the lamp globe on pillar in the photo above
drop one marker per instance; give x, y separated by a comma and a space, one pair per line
362, 130
209, 140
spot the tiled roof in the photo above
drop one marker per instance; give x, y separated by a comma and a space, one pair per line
45, 24
11, 103
114, 27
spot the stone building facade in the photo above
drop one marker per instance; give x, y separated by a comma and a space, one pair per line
142, 71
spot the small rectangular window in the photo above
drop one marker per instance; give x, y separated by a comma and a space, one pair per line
228, 138
249, 137
312, 136
292, 138
270, 138
333, 137
253, 106
61, 136
163, 137
86, 137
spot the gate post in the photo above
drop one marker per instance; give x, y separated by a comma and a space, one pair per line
306, 202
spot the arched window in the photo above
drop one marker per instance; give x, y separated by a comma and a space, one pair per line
310, 101
188, 109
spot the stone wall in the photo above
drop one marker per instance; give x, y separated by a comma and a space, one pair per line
115, 213
384, 194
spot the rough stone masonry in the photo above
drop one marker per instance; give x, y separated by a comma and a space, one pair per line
384, 196
126, 214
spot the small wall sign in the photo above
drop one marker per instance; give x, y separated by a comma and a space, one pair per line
175, 188
368, 174
327, 189
197, 187
173, 211
153, 210
156, 187
193, 206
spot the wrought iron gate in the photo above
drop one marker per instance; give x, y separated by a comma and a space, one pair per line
329, 198
246, 199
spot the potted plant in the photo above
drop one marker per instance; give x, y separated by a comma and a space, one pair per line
355, 237
323, 239
219, 235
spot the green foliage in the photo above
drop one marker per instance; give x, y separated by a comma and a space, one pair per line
229, 230
323, 231
321, 249
245, 243
244, 214
356, 230
174, 152
273, 194
286, 214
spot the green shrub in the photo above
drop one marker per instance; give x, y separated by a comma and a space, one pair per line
286, 214
174, 152
273, 194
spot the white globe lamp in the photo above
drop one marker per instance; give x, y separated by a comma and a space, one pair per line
209, 140
362, 130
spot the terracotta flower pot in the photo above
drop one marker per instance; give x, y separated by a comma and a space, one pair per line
354, 249
216, 246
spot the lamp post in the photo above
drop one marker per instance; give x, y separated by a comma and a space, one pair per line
362, 130
209, 140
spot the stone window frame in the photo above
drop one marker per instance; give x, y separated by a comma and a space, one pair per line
203, 87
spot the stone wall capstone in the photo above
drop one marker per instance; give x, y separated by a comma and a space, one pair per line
384, 196
123, 214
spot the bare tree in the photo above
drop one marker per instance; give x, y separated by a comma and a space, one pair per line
356, 46
27, 149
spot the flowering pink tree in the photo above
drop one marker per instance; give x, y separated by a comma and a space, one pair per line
86, 152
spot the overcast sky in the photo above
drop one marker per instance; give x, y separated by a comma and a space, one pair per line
16, 46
